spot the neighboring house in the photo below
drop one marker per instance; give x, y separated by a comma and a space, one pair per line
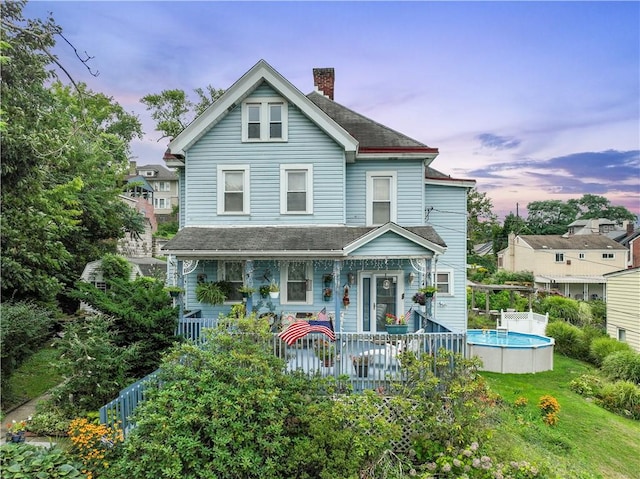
631, 241
139, 245
595, 226
574, 266
623, 306
298, 189
164, 187
148, 267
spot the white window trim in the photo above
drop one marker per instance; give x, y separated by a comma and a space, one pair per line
284, 276
451, 278
264, 103
556, 260
393, 210
608, 256
284, 169
246, 200
222, 276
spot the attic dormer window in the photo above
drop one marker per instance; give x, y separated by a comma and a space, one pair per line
264, 119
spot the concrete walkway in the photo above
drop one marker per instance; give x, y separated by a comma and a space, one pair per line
22, 413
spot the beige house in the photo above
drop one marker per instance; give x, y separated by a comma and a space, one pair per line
573, 266
165, 187
623, 306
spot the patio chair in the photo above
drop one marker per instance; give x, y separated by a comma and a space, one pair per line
391, 351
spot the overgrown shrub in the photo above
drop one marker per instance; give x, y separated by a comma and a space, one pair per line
569, 339
559, 307
621, 397
231, 409
623, 365
586, 385
23, 329
602, 347
94, 367
19, 461
143, 314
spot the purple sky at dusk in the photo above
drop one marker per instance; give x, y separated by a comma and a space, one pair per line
533, 100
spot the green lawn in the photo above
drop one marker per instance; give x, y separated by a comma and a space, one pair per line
587, 442
34, 377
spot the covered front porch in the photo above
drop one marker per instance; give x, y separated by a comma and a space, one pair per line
357, 275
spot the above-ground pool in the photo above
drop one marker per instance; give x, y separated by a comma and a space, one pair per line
510, 352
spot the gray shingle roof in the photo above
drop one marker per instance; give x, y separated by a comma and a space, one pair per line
370, 134
580, 242
290, 239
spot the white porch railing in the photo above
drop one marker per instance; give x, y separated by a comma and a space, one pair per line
526, 322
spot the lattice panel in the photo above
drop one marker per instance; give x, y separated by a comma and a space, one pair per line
411, 424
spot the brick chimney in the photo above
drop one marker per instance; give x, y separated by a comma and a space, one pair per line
323, 80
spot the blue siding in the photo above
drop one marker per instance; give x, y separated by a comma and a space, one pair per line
306, 144
449, 219
409, 195
391, 244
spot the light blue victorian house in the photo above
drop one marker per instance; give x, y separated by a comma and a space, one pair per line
340, 211
344, 214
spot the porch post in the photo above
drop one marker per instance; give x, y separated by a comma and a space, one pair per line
177, 273
248, 274
337, 267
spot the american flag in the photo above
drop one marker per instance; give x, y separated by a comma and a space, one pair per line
301, 328
407, 316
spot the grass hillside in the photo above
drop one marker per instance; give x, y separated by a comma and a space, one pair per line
588, 441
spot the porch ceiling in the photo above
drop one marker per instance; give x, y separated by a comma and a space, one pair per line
283, 241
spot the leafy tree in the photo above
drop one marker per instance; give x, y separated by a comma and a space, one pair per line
512, 224
173, 111
480, 219
64, 153
550, 217
594, 206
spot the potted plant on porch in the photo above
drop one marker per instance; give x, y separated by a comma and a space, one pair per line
210, 293
246, 291
174, 291
264, 290
325, 351
274, 290
396, 324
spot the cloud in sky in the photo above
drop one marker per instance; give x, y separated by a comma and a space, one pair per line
534, 100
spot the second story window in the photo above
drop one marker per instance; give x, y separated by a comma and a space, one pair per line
162, 186
608, 255
233, 190
296, 189
264, 120
381, 198
559, 257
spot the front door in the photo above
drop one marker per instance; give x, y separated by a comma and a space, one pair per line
379, 296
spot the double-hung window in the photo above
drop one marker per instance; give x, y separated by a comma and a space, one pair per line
559, 257
608, 255
265, 119
295, 277
162, 186
296, 189
444, 282
160, 203
232, 272
381, 198
233, 190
